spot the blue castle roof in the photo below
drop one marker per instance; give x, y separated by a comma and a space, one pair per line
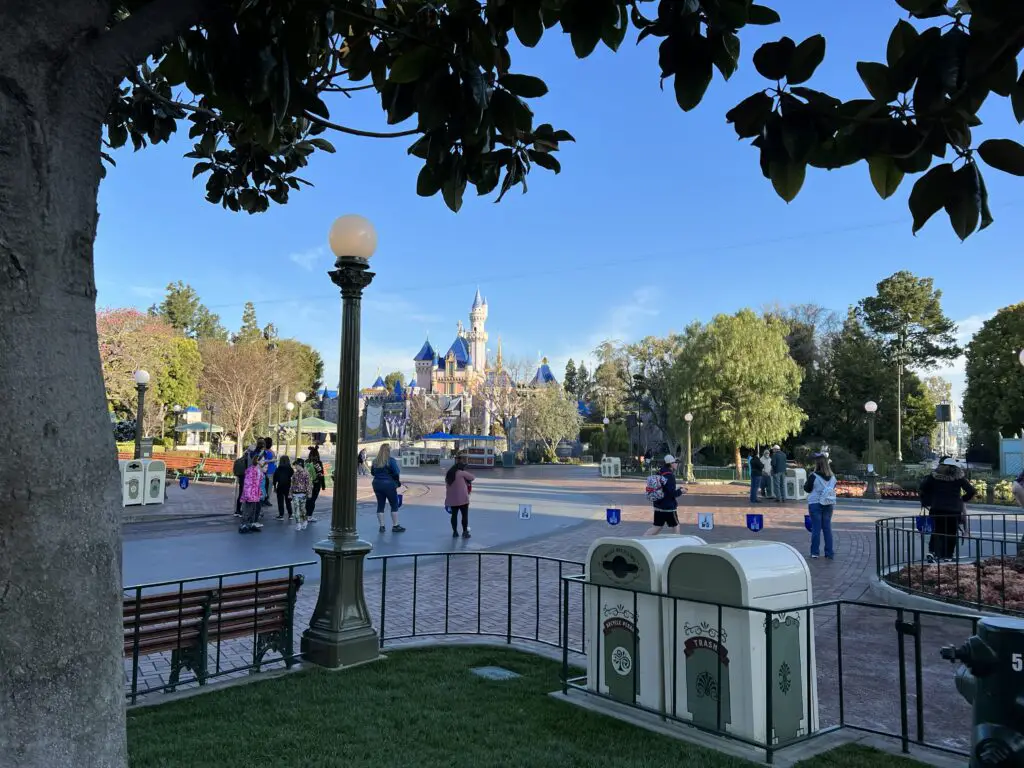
379, 383
426, 353
192, 409
461, 352
544, 375
478, 300
412, 384
398, 389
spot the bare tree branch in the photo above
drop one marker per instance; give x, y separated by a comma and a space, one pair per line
355, 131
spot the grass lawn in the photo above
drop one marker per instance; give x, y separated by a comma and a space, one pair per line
417, 708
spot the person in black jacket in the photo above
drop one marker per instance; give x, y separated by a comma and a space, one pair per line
282, 479
665, 507
756, 473
944, 493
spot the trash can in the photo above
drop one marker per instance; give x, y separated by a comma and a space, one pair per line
156, 479
611, 466
624, 639
508, 460
795, 479
133, 480
727, 666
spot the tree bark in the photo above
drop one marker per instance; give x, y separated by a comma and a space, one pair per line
62, 697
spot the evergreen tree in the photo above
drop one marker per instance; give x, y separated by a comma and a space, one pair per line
569, 383
250, 331
183, 310
994, 398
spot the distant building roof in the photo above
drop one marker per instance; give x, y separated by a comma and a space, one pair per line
398, 389
478, 300
544, 376
461, 352
426, 353
192, 409
412, 384
329, 394
379, 384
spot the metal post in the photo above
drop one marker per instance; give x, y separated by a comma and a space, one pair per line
340, 631
689, 453
298, 431
138, 420
899, 403
872, 489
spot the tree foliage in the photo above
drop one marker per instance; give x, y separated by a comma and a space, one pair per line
736, 376
259, 74
569, 381
395, 377
184, 311
232, 381
424, 417
649, 363
249, 332
548, 416
994, 397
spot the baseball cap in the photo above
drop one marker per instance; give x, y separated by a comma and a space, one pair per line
776, 447
670, 459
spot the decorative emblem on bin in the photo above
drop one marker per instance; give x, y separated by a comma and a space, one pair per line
755, 522
622, 564
613, 516
785, 678
622, 662
133, 488
154, 487
707, 688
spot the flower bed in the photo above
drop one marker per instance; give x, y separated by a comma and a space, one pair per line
1001, 582
850, 489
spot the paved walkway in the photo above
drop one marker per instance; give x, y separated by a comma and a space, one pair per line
471, 593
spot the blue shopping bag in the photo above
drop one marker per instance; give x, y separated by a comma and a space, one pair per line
807, 523
183, 482
400, 500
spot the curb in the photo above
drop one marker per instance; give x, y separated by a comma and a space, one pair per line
883, 592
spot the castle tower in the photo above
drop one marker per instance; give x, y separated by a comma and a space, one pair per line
477, 335
426, 361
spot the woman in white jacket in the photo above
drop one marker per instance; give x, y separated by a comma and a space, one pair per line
821, 500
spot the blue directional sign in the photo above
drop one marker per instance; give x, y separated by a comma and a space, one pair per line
925, 524
755, 522
183, 482
613, 516
807, 523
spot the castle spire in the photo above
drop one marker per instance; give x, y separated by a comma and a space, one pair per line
498, 361
478, 300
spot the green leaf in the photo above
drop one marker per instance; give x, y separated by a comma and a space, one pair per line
693, 77
964, 205
528, 23
761, 16
772, 60
787, 177
410, 67
900, 40
806, 58
817, 99
1004, 154
427, 184
584, 41
749, 116
876, 78
923, 9
490, 175
201, 168
1017, 100
323, 144
453, 189
117, 135
524, 85
986, 213
726, 53
544, 160
930, 193
173, 67
885, 175
616, 22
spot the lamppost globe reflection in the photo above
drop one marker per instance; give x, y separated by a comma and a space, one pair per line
1021, 357
871, 406
300, 397
688, 418
352, 236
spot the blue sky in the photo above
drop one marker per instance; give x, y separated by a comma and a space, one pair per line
658, 218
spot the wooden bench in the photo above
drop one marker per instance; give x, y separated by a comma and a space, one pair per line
186, 623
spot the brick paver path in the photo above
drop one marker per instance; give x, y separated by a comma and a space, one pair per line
468, 593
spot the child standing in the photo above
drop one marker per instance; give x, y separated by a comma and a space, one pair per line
283, 487
252, 498
301, 486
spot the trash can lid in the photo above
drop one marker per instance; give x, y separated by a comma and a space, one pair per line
632, 562
761, 568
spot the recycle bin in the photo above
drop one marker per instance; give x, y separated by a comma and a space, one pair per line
133, 481
611, 466
794, 481
508, 460
727, 666
156, 479
624, 639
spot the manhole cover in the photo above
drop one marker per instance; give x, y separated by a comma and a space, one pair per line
495, 673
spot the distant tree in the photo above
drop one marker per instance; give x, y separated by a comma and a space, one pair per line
269, 332
994, 396
182, 308
569, 382
129, 341
548, 416
392, 378
650, 362
250, 331
585, 385
612, 379
297, 367
736, 376
940, 389
424, 417
230, 381
178, 385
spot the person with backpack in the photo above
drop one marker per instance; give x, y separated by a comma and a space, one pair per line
301, 487
283, 486
756, 475
458, 486
238, 470
944, 493
821, 500
315, 467
663, 493
252, 497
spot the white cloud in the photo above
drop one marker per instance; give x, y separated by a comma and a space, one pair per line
307, 259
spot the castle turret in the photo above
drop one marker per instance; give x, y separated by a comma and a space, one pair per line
426, 361
477, 334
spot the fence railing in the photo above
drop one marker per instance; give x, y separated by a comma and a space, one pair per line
980, 566
189, 631
806, 650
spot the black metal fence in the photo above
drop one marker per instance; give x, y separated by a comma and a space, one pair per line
980, 566
186, 632
822, 667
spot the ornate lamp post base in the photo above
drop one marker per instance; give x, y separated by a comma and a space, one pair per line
871, 494
340, 632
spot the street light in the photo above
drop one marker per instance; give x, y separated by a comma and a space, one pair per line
607, 445
289, 407
340, 632
177, 416
688, 418
871, 407
141, 381
300, 398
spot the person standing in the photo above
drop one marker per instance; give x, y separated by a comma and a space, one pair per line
252, 496
778, 473
361, 463
271, 461
756, 476
944, 493
456, 496
283, 487
315, 467
238, 470
667, 503
301, 486
821, 500
766, 475
386, 479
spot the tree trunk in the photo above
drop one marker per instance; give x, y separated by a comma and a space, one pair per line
739, 461
62, 699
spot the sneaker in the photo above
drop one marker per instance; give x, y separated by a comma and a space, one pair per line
298, 526
930, 559
257, 526
304, 524
465, 534
311, 519
243, 529
397, 529
238, 514
814, 557
280, 517
382, 529
455, 534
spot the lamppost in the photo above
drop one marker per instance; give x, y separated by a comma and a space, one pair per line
300, 398
340, 632
177, 417
607, 442
688, 418
871, 407
289, 407
141, 382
